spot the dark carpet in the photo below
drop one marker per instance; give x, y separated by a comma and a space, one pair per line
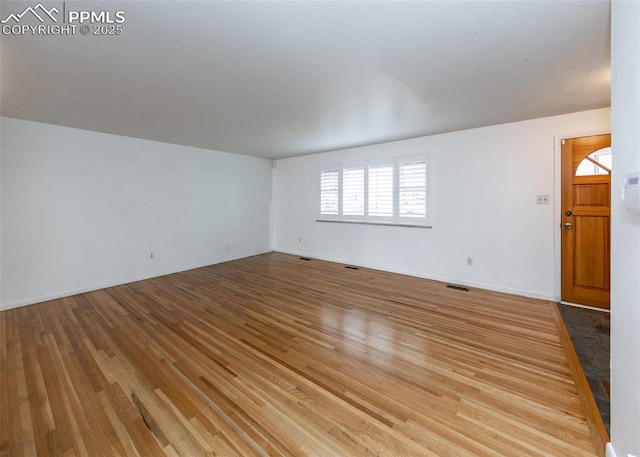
590, 334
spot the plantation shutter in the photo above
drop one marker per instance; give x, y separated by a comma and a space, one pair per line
353, 191
380, 190
412, 193
329, 192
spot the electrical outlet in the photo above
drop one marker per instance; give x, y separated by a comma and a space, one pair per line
300, 240
151, 255
542, 199
469, 261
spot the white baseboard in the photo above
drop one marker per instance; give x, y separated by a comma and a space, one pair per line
478, 285
90, 288
611, 452
68, 293
578, 305
104, 285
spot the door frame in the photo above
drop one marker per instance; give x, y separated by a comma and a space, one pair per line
557, 199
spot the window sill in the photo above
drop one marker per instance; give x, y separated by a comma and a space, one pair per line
390, 224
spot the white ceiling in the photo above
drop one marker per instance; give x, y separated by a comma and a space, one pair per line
279, 79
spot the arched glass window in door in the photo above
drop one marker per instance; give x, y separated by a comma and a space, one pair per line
596, 163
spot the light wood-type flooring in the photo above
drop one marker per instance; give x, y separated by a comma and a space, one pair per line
277, 356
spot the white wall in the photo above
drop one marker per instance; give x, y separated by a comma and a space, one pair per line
82, 210
1, 210
483, 186
625, 231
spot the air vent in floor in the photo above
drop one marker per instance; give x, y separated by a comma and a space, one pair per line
453, 286
305, 258
351, 267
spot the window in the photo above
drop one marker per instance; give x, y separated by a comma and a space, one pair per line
412, 193
329, 182
393, 191
353, 191
597, 163
380, 183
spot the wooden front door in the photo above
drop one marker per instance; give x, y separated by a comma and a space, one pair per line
586, 209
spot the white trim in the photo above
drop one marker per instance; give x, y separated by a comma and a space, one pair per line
444, 279
388, 224
118, 282
578, 305
82, 290
557, 200
611, 452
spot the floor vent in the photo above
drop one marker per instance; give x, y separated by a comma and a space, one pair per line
305, 258
351, 267
453, 286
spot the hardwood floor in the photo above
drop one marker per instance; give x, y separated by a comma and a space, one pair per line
277, 356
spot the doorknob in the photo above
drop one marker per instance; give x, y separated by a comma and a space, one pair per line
568, 225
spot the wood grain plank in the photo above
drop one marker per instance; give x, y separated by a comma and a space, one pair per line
275, 356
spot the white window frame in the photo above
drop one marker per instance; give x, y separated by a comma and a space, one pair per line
381, 163
420, 220
353, 217
395, 218
338, 216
